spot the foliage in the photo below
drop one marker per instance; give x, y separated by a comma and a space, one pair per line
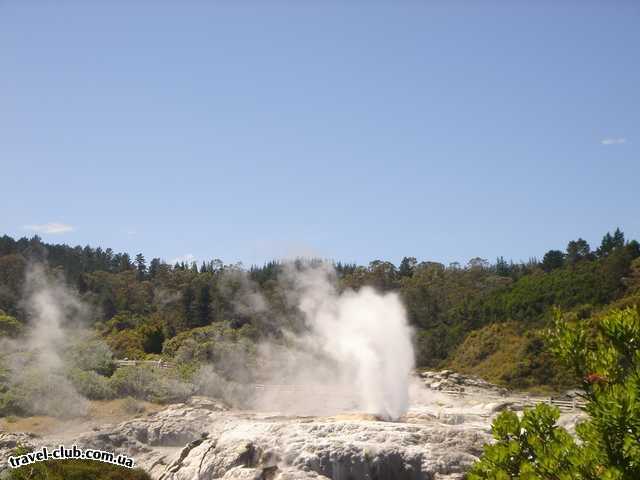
216, 312
9, 326
91, 385
510, 354
75, 470
40, 392
552, 259
91, 354
150, 383
530, 448
605, 356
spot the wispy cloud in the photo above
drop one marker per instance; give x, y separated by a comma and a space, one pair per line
186, 258
613, 141
52, 228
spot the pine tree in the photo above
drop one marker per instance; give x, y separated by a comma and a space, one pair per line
407, 266
154, 267
188, 297
202, 307
578, 250
552, 259
141, 266
502, 267
618, 239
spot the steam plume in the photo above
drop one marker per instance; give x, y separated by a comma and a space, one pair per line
356, 345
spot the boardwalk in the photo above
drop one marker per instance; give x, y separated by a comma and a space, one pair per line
150, 363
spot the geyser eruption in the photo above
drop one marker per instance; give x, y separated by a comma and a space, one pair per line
363, 336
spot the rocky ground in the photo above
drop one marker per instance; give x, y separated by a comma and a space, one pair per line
439, 438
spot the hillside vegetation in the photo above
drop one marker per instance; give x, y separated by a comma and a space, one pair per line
489, 319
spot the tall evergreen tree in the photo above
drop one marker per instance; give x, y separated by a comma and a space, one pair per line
578, 250
202, 307
141, 266
407, 266
552, 259
502, 267
124, 262
618, 239
188, 297
154, 267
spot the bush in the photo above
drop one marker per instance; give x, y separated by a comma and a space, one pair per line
150, 383
606, 358
127, 344
9, 326
12, 404
92, 355
75, 470
38, 392
229, 351
533, 447
91, 385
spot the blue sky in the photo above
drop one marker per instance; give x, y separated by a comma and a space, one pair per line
251, 130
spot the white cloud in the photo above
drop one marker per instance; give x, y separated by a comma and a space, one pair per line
186, 258
52, 228
613, 141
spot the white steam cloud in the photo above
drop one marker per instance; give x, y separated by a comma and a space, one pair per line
49, 304
36, 361
356, 347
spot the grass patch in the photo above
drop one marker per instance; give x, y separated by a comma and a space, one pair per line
75, 470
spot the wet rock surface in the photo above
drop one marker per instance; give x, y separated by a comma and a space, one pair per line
448, 381
439, 438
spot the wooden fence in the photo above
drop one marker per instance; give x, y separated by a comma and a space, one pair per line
152, 363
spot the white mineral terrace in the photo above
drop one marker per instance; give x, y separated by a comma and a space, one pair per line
439, 438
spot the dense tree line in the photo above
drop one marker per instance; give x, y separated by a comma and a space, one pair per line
140, 306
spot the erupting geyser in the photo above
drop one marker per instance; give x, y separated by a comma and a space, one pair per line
366, 336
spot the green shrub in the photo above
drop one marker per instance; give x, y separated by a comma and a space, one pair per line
231, 352
12, 403
9, 326
533, 447
91, 385
91, 355
150, 383
605, 356
126, 344
75, 470
38, 392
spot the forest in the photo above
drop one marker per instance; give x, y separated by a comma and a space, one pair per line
485, 318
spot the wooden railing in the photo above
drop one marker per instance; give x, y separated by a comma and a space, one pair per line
152, 363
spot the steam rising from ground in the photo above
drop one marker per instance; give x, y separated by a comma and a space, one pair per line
356, 347
339, 351
36, 363
49, 305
